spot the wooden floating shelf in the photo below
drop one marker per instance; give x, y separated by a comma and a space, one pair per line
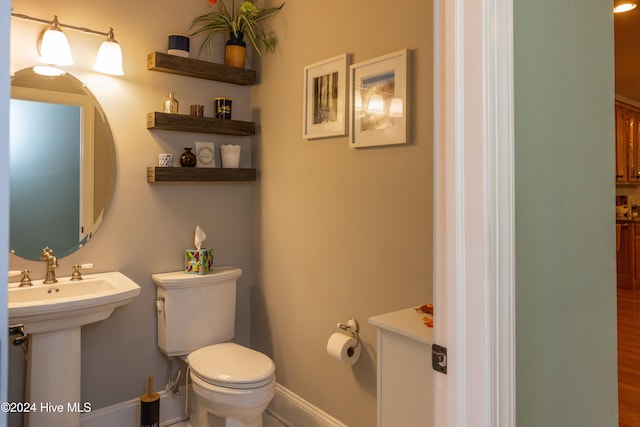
185, 123
158, 61
157, 174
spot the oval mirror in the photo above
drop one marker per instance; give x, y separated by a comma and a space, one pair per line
62, 164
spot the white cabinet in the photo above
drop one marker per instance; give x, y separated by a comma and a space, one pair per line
405, 379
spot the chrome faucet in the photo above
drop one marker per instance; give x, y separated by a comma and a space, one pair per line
52, 264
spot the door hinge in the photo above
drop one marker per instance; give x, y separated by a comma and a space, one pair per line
439, 358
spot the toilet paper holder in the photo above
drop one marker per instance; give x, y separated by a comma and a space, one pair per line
352, 327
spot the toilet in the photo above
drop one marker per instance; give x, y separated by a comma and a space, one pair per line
196, 320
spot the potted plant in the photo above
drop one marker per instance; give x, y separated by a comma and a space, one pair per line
240, 22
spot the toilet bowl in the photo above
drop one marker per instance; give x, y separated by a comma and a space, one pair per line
232, 382
196, 316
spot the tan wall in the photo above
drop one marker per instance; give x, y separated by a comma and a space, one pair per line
148, 227
339, 232
326, 233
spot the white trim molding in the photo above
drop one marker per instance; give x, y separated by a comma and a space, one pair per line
474, 262
5, 93
128, 413
291, 410
286, 407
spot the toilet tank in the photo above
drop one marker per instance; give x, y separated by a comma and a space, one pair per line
195, 310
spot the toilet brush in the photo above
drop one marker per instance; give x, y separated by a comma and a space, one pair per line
150, 407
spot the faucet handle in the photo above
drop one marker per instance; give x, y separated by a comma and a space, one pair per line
76, 275
25, 280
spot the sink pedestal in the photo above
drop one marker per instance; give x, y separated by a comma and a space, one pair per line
52, 315
53, 379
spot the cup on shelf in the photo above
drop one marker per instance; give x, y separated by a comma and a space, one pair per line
165, 160
222, 108
230, 156
197, 110
178, 45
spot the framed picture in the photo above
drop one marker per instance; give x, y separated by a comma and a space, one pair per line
205, 154
378, 99
325, 87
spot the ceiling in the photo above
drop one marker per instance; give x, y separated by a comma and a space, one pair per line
627, 54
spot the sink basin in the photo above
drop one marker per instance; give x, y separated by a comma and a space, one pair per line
66, 304
53, 315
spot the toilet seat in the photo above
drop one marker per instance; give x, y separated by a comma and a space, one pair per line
232, 366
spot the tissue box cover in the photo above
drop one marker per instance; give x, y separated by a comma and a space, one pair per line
198, 261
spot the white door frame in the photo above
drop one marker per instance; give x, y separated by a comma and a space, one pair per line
5, 27
474, 261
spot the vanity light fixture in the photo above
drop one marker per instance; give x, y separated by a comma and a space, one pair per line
54, 46
620, 6
109, 59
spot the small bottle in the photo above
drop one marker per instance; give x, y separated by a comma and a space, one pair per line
171, 104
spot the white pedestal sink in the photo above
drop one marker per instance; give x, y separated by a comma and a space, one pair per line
52, 316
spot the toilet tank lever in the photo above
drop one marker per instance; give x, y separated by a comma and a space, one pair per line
160, 303
160, 299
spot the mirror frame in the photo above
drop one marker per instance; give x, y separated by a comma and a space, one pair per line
97, 154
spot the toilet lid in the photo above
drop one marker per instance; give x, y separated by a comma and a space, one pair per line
231, 365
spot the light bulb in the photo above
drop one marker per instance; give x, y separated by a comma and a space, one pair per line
109, 58
54, 47
623, 6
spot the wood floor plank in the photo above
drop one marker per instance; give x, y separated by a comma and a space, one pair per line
628, 358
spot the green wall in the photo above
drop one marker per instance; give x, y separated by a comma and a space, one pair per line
565, 238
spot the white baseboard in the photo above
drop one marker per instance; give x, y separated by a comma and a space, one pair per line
128, 413
286, 406
293, 411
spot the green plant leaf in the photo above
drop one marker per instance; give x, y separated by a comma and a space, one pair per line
245, 19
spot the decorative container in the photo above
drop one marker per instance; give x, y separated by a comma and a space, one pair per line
178, 45
198, 261
171, 104
188, 159
230, 156
197, 110
165, 160
222, 108
235, 50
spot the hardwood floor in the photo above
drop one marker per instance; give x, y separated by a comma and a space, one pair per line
629, 358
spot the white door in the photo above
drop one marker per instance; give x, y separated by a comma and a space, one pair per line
474, 213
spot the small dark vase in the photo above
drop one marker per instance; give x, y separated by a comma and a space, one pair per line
188, 159
236, 39
235, 51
